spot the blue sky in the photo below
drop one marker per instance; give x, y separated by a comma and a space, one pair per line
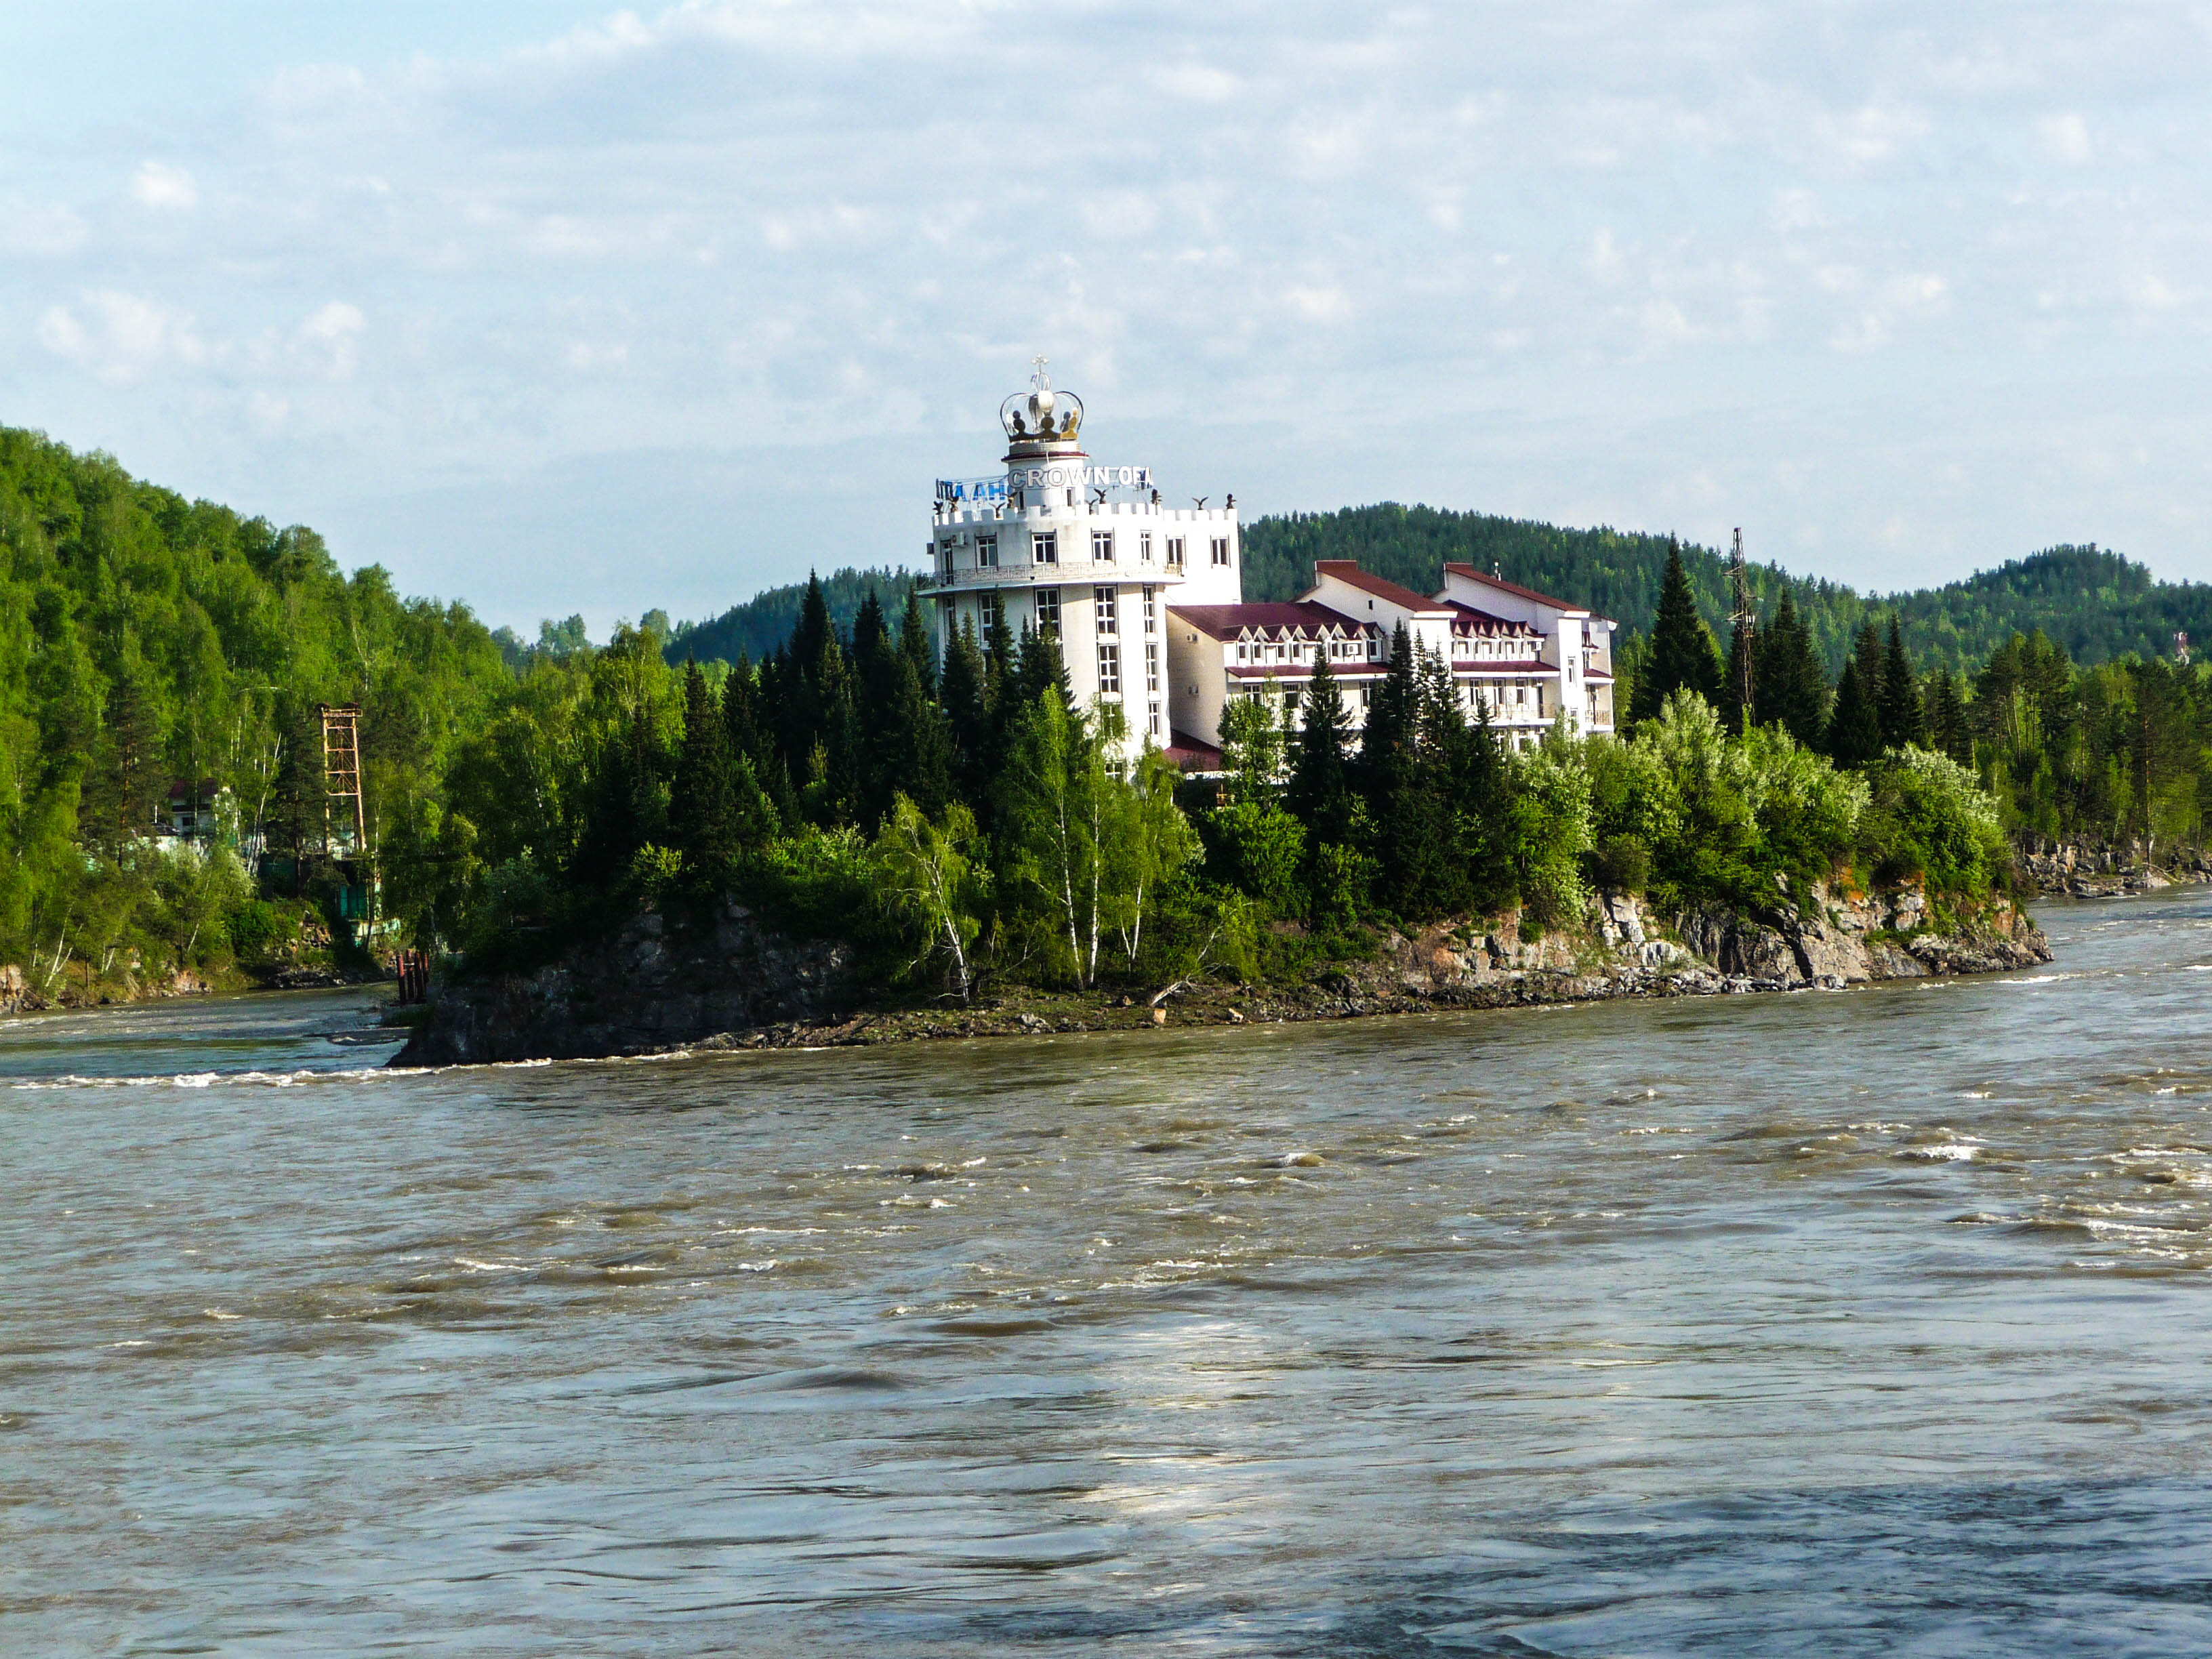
555, 308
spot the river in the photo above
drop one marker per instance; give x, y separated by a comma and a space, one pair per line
1836, 1323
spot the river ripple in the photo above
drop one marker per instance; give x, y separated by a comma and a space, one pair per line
1868, 1322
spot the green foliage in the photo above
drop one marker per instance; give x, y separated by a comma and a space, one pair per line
753, 629
1707, 815
1683, 657
147, 641
1928, 818
2099, 606
933, 886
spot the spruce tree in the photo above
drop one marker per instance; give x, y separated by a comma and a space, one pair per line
1479, 788
913, 643
1391, 717
1948, 732
1683, 655
1319, 793
1790, 690
127, 780
1737, 715
962, 696
1904, 722
702, 819
1854, 734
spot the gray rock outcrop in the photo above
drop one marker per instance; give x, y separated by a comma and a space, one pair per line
649, 988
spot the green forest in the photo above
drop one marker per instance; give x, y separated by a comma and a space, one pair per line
961, 819
2095, 605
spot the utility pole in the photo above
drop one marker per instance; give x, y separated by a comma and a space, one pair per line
1744, 622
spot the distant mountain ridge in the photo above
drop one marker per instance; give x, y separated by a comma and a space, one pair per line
2095, 603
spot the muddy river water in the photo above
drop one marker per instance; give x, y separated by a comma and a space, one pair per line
1873, 1321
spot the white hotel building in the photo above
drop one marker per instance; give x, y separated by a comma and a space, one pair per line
1147, 602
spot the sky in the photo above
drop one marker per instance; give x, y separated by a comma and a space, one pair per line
552, 308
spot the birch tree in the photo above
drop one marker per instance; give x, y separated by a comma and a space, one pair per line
932, 883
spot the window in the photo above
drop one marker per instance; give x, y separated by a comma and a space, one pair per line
1109, 669
1520, 694
1366, 695
1221, 549
1047, 610
1156, 719
1243, 652
1290, 699
944, 556
1108, 618
1044, 547
1149, 627
986, 612
1153, 666
1144, 546
1101, 546
1175, 552
987, 552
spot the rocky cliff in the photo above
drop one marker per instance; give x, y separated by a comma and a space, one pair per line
647, 988
2105, 869
736, 983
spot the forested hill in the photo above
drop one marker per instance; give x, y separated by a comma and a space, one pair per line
145, 640
2096, 605
765, 621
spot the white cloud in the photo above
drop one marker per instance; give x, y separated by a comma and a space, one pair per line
39, 230
771, 227
156, 184
2066, 138
123, 337
328, 341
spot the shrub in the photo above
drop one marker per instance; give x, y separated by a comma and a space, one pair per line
1928, 818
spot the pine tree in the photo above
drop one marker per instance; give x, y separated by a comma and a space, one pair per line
1736, 715
702, 818
1948, 732
1790, 690
962, 696
1319, 793
127, 782
913, 644
1904, 722
1411, 830
1391, 719
1854, 734
1683, 654
1478, 787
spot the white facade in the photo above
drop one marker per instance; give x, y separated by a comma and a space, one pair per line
1147, 602
1089, 554
1523, 659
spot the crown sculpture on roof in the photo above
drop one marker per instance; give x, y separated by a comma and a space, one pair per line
1044, 416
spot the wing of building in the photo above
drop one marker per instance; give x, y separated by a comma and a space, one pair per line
1147, 602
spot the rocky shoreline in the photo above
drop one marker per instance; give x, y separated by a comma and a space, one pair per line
653, 988
2105, 869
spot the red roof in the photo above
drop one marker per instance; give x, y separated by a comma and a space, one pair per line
1191, 755
1351, 668
1472, 574
1226, 621
1469, 614
1349, 573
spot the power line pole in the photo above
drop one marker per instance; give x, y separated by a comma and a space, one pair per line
342, 775
1744, 622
